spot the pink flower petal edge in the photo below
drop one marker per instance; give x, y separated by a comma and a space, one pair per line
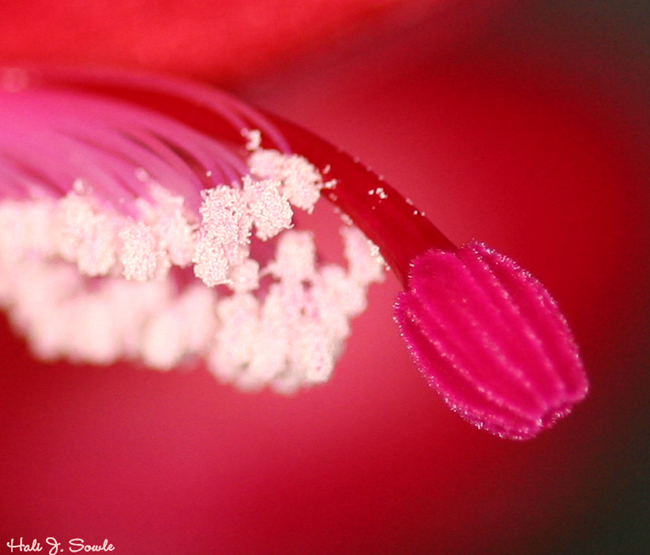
491, 340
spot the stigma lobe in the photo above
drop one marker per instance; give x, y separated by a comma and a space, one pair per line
491, 340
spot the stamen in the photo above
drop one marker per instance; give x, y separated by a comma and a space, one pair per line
126, 237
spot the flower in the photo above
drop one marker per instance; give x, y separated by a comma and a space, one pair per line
129, 196
530, 136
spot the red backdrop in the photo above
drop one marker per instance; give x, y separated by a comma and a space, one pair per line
526, 129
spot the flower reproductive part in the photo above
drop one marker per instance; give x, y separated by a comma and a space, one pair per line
156, 218
126, 233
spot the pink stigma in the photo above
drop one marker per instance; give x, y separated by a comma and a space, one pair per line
491, 340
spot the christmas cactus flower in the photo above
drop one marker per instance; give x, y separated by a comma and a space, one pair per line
152, 219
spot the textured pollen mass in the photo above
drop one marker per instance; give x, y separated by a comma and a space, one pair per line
300, 181
112, 276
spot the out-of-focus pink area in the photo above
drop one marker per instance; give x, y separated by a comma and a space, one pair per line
224, 40
530, 135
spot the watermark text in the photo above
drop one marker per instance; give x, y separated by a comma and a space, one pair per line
75, 545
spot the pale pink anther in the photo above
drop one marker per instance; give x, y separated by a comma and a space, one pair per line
135, 227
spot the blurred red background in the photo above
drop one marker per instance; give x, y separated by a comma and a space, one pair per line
523, 124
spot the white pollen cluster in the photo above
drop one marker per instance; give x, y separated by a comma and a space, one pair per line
301, 182
87, 282
102, 242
